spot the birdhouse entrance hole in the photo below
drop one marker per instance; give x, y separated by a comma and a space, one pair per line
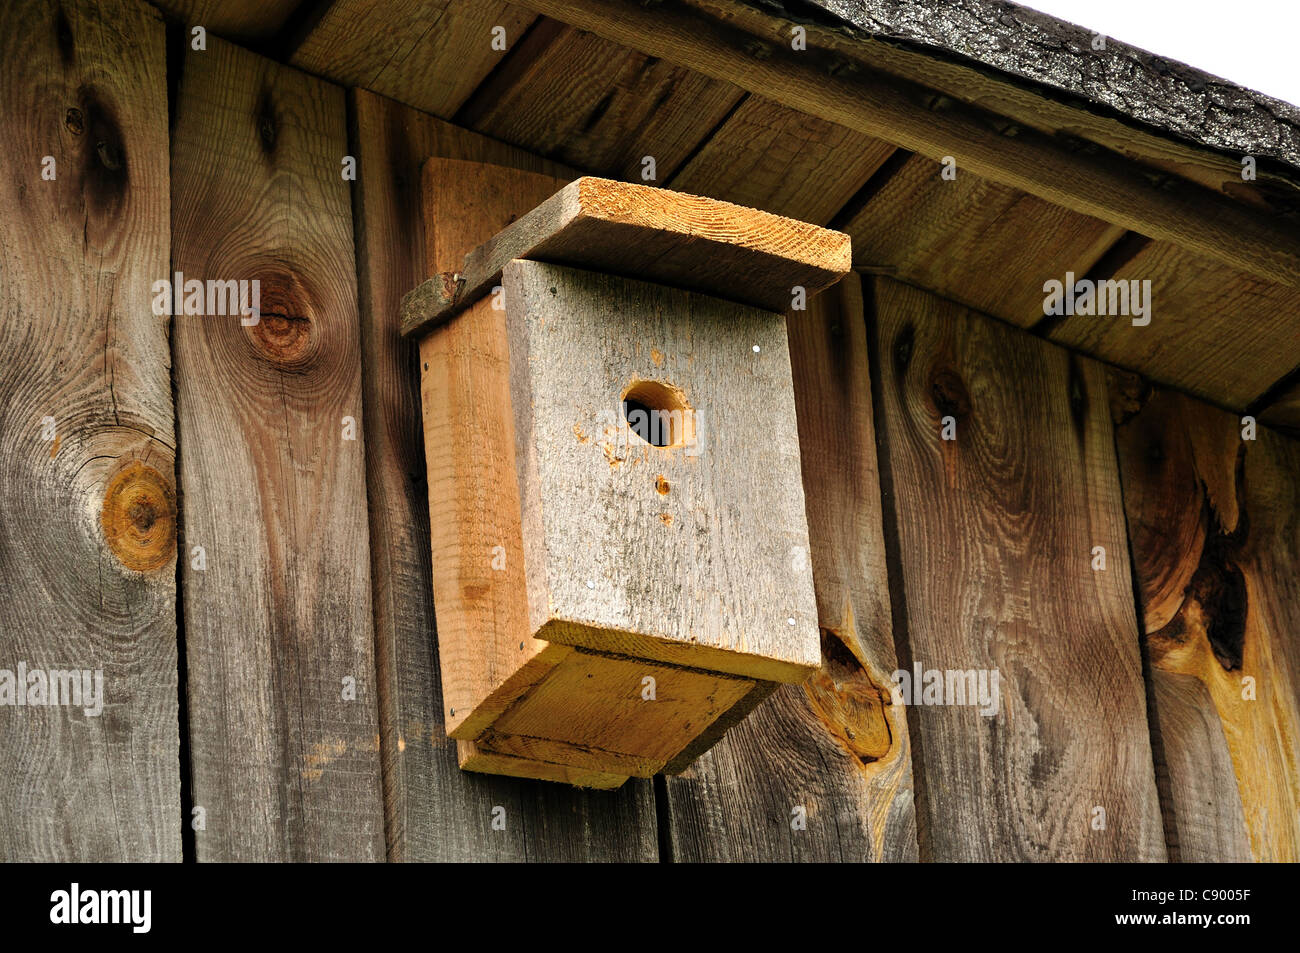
659, 414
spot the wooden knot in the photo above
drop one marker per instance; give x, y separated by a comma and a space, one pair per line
949, 394
105, 164
286, 331
139, 517
284, 338
268, 126
849, 703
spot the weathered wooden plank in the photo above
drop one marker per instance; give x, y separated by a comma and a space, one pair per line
278, 621
1217, 333
430, 54
901, 110
434, 810
779, 160
572, 96
984, 245
87, 543
687, 241
1204, 822
835, 746
1214, 521
1020, 499
240, 20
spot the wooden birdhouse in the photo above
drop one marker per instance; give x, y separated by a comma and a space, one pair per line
619, 540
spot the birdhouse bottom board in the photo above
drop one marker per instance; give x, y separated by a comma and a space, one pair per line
616, 573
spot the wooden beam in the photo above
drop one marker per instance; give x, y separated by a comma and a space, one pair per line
1099, 183
430, 54
238, 20
1216, 333
1280, 404
777, 159
686, 241
434, 810
1021, 497
88, 538
575, 97
1054, 76
279, 644
1214, 521
971, 240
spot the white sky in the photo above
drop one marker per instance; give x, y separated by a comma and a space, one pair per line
1251, 42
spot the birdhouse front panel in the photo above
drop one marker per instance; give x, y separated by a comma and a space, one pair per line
658, 457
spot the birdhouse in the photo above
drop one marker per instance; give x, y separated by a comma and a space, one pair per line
620, 551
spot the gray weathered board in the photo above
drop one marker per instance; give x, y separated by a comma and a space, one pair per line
993, 536
87, 542
684, 553
277, 613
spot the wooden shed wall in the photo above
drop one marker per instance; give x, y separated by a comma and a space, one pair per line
289, 463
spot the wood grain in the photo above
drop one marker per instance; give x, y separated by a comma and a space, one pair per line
686, 241
770, 157
434, 810
1018, 500
429, 54
238, 20
285, 767
1215, 527
1282, 411
590, 711
849, 91
984, 245
87, 543
677, 553
1204, 821
574, 97
486, 649
835, 745
1215, 332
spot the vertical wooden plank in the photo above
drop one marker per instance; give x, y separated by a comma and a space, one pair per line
1214, 521
995, 533
87, 543
285, 766
835, 746
434, 810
